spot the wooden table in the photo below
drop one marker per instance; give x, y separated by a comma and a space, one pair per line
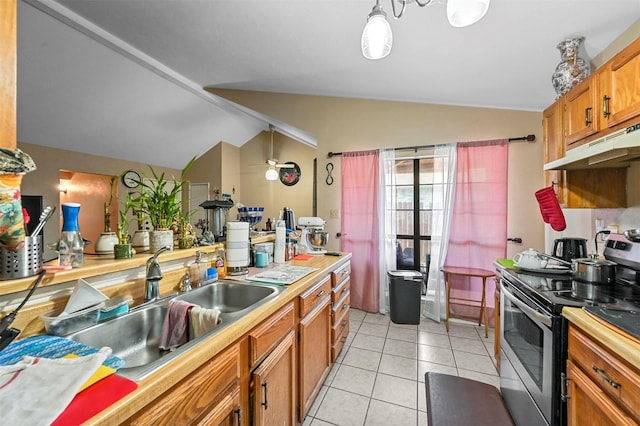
450, 271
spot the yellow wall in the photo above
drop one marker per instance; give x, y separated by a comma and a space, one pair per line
342, 124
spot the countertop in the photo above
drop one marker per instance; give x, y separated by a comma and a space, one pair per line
627, 348
179, 368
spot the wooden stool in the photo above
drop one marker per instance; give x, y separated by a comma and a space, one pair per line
450, 271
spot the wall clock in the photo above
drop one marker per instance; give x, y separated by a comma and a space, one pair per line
131, 179
290, 173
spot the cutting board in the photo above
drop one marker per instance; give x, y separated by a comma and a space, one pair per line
94, 399
46, 346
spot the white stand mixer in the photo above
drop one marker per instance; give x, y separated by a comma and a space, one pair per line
313, 236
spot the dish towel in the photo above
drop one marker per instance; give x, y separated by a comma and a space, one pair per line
202, 320
36, 390
175, 328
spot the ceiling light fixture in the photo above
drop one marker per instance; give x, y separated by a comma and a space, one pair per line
377, 38
271, 173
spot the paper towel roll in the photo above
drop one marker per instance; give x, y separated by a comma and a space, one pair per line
278, 249
237, 246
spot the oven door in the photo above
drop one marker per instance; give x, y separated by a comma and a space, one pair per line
526, 341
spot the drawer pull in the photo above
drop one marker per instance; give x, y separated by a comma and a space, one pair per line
605, 377
344, 322
265, 385
320, 293
345, 289
345, 306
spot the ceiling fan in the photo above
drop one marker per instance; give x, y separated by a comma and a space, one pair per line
272, 163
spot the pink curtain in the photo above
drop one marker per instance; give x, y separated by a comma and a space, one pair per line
478, 233
359, 226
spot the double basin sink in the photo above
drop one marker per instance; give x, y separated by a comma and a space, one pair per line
135, 336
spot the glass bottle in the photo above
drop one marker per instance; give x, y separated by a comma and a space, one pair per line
71, 244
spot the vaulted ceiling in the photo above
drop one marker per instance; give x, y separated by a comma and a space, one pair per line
125, 78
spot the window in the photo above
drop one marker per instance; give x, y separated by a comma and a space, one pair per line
414, 210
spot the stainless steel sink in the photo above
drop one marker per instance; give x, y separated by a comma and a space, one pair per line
135, 336
228, 296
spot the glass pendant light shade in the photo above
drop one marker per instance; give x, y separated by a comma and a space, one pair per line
462, 13
376, 37
271, 173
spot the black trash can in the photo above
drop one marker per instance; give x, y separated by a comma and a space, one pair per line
405, 288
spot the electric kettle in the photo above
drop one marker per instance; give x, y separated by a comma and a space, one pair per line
289, 219
569, 248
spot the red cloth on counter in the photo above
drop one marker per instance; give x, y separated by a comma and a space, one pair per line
94, 399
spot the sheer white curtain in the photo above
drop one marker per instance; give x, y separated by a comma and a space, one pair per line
387, 223
444, 168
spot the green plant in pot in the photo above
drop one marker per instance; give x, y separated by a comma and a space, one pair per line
107, 239
123, 249
159, 200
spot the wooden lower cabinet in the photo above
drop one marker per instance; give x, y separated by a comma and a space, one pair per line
315, 353
340, 299
210, 395
587, 405
601, 388
273, 385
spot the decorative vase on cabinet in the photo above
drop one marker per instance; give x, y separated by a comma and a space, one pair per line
572, 69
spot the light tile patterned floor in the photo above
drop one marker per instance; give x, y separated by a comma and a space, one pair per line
378, 379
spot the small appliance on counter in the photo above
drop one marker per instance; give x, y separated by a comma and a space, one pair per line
313, 236
289, 218
218, 220
569, 248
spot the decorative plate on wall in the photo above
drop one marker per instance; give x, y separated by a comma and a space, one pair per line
290, 175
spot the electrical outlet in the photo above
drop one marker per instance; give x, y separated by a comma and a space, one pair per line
334, 213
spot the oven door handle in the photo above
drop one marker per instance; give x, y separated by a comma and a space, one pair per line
545, 319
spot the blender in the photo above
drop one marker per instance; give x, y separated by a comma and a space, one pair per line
313, 236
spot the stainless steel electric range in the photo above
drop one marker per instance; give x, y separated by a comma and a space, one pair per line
533, 338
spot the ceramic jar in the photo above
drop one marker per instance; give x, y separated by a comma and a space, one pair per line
572, 69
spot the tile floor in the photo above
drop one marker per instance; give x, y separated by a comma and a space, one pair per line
378, 379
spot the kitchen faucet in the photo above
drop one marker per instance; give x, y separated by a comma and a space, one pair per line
154, 275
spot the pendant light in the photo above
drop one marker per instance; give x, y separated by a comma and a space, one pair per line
376, 37
271, 173
462, 13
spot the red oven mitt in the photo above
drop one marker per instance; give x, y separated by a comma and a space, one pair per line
550, 208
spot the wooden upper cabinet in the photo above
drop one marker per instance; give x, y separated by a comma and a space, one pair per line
8, 31
620, 86
580, 111
552, 132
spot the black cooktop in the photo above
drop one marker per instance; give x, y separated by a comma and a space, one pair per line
628, 321
556, 291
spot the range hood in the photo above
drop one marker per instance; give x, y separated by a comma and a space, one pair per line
617, 149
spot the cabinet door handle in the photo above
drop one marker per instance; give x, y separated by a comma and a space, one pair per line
265, 385
345, 306
238, 413
345, 288
605, 106
320, 293
587, 115
606, 377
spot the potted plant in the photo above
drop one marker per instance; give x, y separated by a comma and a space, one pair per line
122, 250
158, 199
107, 239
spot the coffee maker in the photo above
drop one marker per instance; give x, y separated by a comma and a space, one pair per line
218, 211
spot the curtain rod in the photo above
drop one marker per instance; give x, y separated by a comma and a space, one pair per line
528, 138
